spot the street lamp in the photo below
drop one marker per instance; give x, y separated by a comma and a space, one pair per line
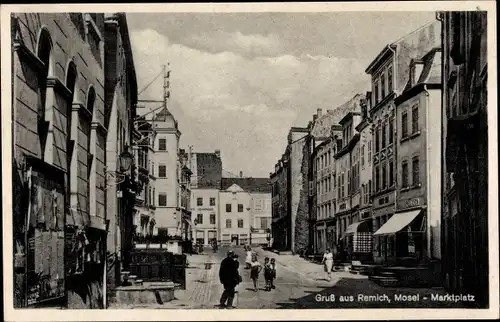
126, 160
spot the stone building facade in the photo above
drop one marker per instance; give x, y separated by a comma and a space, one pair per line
389, 73
279, 199
58, 161
418, 142
465, 153
120, 115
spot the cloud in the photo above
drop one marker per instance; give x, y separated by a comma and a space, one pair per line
240, 104
249, 45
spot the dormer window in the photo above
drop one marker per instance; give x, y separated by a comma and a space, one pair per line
415, 71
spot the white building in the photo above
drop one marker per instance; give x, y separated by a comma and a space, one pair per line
164, 163
245, 211
206, 177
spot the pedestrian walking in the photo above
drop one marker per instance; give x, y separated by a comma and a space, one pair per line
268, 274
273, 275
230, 278
255, 268
328, 262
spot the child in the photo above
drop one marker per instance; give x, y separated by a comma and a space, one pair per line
255, 268
273, 273
268, 274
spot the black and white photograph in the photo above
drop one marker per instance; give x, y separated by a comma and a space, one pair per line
237, 161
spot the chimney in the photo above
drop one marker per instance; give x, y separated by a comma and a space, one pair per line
320, 112
217, 153
241, 174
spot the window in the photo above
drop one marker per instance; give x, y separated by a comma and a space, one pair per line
389, 80
384, 176
404, 173
382, 86
240, 223
199, 201
152, 168
404, 125
391, 131
377, 140
376, 91
369, 152
162, 171
228, 223
369, 189
383, 135
240, 207
154, 196
162, 144
415, 167
377, 178
228, 208
199, 219
343, 185
349, 182
212, 219
414, 119
264, 223
212, 201
362, 155
162, 199
391, 173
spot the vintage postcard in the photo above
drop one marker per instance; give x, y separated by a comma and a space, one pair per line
247, 161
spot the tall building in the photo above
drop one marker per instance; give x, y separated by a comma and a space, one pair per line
59, 144
418, 142
245, 210
168, 215
119, 116
465, 153
206, 171
279, 200
184, 192
389, 73
291, 228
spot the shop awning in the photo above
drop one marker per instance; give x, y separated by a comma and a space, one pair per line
353, 228
397, 222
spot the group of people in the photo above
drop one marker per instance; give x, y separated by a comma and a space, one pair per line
255, 267
230, 277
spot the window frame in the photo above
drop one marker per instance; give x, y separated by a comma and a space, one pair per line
230, 222
198, 217
160, 140
404, 124
160, 166
229, 207
198, 203
404, 174
159, 199
415, 178
242, 208
210, 201
415, 118
240, 220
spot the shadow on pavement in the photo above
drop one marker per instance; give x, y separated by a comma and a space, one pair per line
363, 293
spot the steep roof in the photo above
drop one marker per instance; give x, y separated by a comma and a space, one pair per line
252, 185
431, 70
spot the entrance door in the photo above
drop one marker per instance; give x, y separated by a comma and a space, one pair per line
234, 240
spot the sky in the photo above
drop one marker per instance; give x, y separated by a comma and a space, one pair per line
239, 81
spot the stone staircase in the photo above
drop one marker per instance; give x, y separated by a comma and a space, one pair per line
386, 279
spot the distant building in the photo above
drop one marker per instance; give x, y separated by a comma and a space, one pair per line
206, 180
465, 154
245, 210
389, 72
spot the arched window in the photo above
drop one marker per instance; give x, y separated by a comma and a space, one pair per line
44, 53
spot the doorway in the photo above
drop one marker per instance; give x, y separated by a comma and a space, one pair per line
234, 240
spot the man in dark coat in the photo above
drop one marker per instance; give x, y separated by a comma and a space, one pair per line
229, 277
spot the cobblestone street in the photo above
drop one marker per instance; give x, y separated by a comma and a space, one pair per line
299, 284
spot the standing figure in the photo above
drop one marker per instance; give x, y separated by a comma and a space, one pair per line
255, 268
230, 278
268, 274
328, 262
248, 259
273, 266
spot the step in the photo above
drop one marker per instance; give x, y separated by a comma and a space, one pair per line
153, 294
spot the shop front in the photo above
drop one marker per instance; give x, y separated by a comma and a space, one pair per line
404, 238
357, 239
